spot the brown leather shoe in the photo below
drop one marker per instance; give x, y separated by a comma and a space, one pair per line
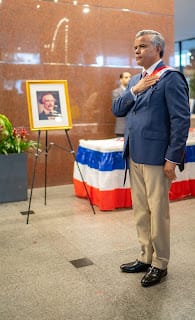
153, 276
134, 267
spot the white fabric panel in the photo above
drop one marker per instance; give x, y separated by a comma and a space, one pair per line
109, 180
103, 180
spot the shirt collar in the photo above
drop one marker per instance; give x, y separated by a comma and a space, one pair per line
123, 87
152, 68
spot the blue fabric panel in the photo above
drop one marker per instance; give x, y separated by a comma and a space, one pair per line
190, 154
108, 161
103, 161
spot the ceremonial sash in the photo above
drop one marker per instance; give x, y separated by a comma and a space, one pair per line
161, 70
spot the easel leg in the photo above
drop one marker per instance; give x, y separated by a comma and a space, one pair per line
33, 179
84, 184
46, 155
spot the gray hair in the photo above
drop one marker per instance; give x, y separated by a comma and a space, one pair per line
157, 39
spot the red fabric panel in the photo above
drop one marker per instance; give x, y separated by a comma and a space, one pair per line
121, 198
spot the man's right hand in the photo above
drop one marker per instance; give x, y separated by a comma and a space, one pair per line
144, 84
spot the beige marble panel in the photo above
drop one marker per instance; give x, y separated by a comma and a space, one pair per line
44, 40
160, 6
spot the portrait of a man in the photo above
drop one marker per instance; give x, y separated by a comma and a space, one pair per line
48, 100
48, 105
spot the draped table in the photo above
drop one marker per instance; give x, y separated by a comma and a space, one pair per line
103, 169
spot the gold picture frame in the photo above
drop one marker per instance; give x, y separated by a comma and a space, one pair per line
48, 104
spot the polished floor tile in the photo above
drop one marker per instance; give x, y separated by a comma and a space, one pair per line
65, 263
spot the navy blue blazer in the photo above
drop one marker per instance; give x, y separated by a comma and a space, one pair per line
158, 121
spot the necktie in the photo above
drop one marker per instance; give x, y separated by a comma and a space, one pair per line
144, 74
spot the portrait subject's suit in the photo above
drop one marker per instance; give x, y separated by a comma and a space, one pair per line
120, 121
157, 125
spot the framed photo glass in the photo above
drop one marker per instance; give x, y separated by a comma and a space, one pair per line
48, 104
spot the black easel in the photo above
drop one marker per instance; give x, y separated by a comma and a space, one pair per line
46, 156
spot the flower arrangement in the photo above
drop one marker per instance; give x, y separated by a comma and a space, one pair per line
14, 140
192, 86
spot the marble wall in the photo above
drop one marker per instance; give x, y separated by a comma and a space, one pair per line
88, 43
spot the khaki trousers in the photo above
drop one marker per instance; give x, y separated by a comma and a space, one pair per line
150, 189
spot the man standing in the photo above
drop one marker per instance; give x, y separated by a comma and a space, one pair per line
158, 121
120, 121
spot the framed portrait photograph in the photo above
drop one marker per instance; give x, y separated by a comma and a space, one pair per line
48, 104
